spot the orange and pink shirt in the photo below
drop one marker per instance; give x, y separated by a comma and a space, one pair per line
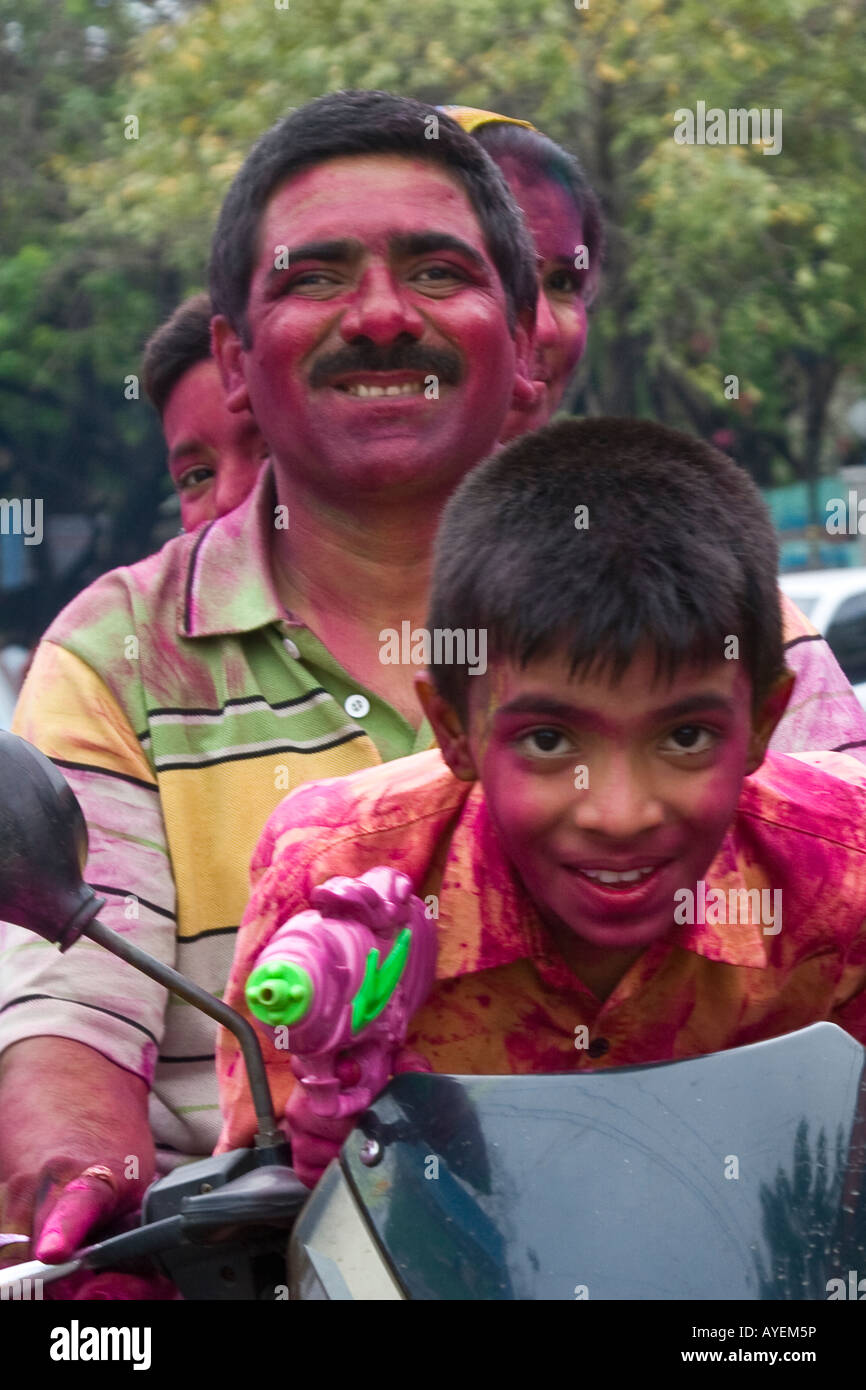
504, 1000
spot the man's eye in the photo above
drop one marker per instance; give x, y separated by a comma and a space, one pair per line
438, 274
544, 742
691, 738
195, 477
310, 280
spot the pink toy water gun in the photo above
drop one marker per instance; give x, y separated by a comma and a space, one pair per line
323, 979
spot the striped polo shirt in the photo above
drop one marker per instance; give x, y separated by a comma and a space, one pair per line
182, 703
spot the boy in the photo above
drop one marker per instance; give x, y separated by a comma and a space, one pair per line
620, 875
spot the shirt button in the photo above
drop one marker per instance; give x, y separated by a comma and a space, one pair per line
357, 706
291, 647
598, 1047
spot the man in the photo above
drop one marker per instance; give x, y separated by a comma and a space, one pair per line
375, 293
214, 454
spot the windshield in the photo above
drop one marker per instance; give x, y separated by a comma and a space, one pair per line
717, 1177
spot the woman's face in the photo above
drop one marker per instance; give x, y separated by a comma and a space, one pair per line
560, 325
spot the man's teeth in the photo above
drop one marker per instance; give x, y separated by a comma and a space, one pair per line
406, 388
608, 875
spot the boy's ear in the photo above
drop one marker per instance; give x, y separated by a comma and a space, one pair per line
227, 351
525, 393
766, 718
447, 727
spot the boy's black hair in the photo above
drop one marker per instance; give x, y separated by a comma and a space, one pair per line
678, 552
178, 344
358, 123
540, 158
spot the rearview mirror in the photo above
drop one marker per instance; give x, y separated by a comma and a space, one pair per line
43, 847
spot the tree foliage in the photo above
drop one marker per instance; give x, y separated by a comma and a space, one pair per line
722, 261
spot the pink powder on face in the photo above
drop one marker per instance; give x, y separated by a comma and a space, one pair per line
648, 803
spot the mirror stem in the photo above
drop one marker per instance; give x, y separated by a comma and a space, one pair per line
269, 1135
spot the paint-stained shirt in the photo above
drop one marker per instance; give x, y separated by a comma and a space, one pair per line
505, 1001
181, 702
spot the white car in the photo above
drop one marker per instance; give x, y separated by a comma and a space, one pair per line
13, 660
835, 601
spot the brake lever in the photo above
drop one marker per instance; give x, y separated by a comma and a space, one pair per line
106, 1254
270, 1196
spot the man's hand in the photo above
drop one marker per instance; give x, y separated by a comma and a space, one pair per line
76, 1154
316, 1139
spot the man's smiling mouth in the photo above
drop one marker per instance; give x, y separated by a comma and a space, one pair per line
361, 388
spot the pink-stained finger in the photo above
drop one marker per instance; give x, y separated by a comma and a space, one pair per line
82, 1205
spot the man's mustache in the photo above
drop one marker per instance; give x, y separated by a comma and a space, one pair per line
398, 357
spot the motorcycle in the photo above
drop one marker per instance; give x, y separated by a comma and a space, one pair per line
737, 1175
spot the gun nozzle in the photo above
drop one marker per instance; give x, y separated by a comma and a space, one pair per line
279, 992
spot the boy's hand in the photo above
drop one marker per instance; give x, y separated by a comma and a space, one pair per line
316, 1139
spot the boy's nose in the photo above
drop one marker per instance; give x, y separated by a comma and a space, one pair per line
618, 801
380, 310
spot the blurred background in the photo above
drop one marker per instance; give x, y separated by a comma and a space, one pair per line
721, 261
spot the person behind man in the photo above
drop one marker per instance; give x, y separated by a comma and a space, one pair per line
374, 294
214, 454
563, 216
613, 854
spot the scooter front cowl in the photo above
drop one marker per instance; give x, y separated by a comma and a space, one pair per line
737, 1175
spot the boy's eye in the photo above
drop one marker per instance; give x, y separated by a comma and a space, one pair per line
546, 742
691, 738
195, 477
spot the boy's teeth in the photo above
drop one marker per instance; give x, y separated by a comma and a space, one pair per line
405, 388
608, 875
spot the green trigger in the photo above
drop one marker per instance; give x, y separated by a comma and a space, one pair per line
378, 985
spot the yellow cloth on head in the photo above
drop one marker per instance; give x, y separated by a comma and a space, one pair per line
471, 117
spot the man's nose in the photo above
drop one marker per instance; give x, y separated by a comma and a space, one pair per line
617, 799
380, 310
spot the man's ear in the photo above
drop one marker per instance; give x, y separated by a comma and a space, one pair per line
526, 393
766, 718
227, 350
447, 727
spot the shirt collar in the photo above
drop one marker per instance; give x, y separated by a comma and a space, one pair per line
228, 587
492, 921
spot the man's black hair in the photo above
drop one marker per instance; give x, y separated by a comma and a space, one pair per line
540, 158
359, 123
676, 550
178, 344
